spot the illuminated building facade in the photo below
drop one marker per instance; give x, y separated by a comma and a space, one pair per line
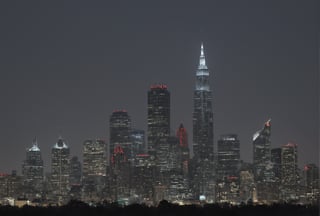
276, 163
138, 142
94, 158
262, 153
158, 117
94, 168
228, 156
227, 190
203, 159
263, 168
32, 171
289, 172
144, 171
11, 185
121, 174
247, 187
120, 132
60, 171
311, 177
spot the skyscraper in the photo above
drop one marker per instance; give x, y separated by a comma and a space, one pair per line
262, 152
262, 165
203, 160
60, 171
158, 117
276, 163
94, 168
289, 172
311, 175
311, 178
75, 171
32, 171
120, 174
228, 155
138, 142
94, 158
75, 178
120, 132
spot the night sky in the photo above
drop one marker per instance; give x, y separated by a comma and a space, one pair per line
65, 66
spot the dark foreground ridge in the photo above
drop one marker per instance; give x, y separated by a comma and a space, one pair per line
112, 209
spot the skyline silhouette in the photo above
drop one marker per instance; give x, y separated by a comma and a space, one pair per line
67, 65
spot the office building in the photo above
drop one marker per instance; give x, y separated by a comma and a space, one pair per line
32, 172
158, 117
60, 171
228, 156
120, 132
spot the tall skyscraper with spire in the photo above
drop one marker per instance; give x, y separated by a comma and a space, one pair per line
203, 160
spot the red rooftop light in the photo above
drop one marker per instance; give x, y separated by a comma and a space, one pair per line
159, 86
232, 177
268, 123
119, 111
142, 155
290, 145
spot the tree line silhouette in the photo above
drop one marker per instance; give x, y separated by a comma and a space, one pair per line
164, 208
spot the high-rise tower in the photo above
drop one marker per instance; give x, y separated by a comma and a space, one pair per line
158, 117
203, 160
228, 155
289, 172
94, 158
60, 171
120, 132
32, 170
138, 142
266, 186
94, 168
262, 152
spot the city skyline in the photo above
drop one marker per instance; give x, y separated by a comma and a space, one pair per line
71, 94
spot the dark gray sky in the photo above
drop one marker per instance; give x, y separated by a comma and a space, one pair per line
65, 66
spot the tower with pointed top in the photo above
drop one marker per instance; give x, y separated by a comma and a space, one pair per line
203, 159
60, 171
262, 152
32, 171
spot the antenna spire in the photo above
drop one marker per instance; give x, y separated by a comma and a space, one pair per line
202, 60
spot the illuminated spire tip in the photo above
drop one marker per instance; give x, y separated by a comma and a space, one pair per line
202, 60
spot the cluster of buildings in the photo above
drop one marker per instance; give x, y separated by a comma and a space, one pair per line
139, 167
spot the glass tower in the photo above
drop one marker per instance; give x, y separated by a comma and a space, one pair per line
262, 152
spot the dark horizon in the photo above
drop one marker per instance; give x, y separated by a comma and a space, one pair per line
67, 65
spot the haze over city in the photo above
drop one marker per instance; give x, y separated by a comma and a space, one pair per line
65, 66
